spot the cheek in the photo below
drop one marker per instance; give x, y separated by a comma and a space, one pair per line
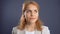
27, 15
36, 15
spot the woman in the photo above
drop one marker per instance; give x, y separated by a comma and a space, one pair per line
30, 22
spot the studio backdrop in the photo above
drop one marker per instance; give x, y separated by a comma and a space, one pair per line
11, 10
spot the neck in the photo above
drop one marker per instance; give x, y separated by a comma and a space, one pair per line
30, 27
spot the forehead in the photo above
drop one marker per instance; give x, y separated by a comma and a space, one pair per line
32, 7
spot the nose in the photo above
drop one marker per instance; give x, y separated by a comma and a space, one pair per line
32, 13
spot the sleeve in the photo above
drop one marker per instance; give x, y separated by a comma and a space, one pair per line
45, 30
14, 30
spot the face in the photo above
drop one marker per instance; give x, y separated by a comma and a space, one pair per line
31, 13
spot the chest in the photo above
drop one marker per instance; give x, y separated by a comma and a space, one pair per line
26, 32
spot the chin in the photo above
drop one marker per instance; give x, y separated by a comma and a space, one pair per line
33, 21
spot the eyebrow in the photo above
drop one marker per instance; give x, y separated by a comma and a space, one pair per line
30, 10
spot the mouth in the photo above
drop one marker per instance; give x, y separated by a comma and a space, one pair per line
32, 18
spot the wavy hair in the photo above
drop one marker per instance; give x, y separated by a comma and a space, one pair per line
23, 22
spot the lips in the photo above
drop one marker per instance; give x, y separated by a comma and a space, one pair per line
32, 18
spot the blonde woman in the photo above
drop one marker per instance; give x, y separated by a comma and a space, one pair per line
30, 22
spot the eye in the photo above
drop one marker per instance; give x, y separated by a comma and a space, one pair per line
36, 11
28, 11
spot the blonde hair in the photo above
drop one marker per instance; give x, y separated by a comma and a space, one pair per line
23, 21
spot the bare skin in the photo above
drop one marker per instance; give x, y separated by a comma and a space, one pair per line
31, 15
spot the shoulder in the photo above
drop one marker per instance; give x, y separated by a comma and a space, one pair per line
45, 27
14, 28
45, 30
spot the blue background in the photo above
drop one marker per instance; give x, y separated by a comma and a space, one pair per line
10, 12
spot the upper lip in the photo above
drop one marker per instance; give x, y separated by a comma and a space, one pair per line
32, 18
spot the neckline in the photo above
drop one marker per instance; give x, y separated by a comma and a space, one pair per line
29, 31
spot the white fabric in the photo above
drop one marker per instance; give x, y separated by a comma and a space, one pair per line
27, 32
44, 31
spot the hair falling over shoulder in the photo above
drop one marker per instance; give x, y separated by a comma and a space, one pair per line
23, 22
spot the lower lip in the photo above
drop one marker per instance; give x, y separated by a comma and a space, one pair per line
32, 18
